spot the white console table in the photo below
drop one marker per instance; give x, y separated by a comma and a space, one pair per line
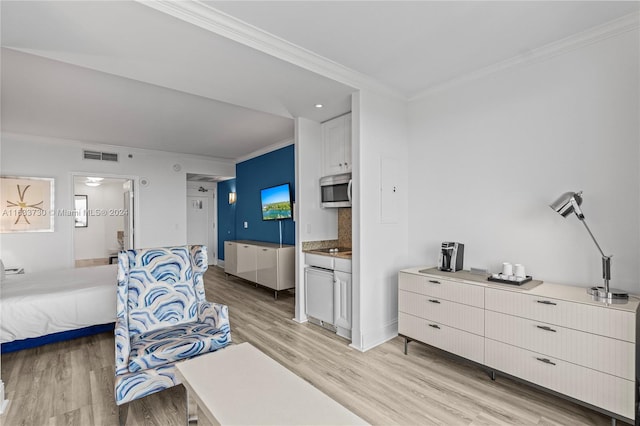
554, 336
270, 265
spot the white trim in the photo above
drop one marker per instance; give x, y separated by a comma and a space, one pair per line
593, 35
371, 339
225, 25
265, 150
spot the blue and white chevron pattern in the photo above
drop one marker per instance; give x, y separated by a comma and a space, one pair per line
162, 317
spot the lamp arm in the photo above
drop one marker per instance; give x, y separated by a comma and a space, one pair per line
584, 222
606, 260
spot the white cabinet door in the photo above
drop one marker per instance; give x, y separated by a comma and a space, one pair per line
343, 299
319, 294
267, 262
246, 261
347, 143
336, 139
230, 258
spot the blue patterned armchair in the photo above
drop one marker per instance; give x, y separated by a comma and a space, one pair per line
162, 317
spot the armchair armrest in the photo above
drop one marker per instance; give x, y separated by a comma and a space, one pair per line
122, 345
214, 314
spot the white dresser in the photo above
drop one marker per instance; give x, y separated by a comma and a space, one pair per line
551, 335
267, 264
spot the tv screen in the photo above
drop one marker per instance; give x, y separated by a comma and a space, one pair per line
276, 202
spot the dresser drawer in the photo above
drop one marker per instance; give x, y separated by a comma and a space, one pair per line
438, 287
447, 338
593, 387
600, 320
464, 317
600, 353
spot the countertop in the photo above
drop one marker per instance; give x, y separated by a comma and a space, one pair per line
341, 255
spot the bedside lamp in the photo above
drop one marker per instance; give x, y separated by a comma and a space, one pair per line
568, 203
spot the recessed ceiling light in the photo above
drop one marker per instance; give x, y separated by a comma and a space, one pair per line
92, 183
95, 179
319, 105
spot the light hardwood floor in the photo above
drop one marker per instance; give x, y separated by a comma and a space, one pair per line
71, 383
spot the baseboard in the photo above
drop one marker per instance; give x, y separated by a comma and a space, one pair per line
370, 340
221, 263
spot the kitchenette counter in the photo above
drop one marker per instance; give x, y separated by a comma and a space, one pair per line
342, 254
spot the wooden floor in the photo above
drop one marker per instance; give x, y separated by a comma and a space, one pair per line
71, 383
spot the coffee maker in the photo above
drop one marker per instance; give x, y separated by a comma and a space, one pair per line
451, 257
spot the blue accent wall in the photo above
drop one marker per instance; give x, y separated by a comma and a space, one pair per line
271, 169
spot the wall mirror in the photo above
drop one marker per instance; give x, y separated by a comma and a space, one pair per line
80, 213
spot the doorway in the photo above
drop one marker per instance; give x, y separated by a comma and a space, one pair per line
103, 219
202, 213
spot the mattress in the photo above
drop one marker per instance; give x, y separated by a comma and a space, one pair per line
42, 303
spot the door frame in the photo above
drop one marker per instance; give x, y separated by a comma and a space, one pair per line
136, 204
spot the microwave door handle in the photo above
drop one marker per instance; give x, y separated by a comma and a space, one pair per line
349, 189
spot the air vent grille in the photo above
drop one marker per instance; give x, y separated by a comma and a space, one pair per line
97, 155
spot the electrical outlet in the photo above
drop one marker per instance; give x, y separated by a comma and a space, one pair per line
246, 225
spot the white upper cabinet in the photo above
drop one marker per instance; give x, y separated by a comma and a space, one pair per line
336, 148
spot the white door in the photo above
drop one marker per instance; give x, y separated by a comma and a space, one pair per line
197, 218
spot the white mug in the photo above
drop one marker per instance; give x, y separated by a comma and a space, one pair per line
519, 271
507, 269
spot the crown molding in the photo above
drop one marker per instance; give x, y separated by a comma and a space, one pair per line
593, 35
204, 16
265, 150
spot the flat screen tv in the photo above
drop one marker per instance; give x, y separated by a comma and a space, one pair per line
276, 202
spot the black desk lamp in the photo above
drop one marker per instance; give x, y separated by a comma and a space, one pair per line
570, 202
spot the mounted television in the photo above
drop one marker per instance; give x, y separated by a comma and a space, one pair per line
276, 202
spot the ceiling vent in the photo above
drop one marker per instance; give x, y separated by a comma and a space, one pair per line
97, 155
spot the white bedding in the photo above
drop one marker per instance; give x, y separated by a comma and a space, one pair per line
42, 303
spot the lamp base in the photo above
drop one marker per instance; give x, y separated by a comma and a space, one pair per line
612, 294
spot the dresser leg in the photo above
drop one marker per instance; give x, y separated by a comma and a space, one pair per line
406, 344
492, 375
614, 422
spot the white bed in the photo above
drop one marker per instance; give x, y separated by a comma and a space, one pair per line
43, 303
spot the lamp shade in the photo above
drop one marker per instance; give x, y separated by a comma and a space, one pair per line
568, 203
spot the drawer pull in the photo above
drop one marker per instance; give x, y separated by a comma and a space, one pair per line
546, 361
545, 328
434, 301
434, 282
546, 302
265, 249
434, 326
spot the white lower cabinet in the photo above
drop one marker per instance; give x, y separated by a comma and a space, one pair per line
554, 336
267, 264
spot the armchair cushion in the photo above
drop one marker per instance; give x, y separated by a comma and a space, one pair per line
168, 345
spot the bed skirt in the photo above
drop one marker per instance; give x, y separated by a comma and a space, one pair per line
33, 342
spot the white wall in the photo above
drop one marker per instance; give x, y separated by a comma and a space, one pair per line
313, 223
381, 243
99, 238
486, 158
161, 208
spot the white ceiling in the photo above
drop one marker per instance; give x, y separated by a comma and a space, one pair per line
123, 73
412, 46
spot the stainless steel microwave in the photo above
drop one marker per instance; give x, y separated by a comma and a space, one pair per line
335, 190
